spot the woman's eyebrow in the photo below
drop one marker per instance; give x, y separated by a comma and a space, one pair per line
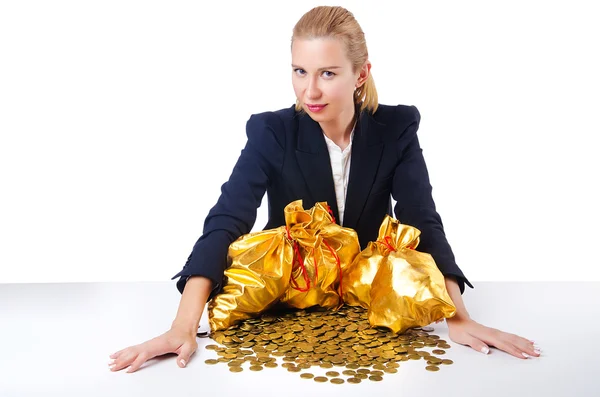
329, 67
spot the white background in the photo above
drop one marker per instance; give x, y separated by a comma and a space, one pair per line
120, 121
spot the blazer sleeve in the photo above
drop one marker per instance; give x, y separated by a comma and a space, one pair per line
235, 212
415, 206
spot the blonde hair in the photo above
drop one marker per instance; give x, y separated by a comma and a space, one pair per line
339, 23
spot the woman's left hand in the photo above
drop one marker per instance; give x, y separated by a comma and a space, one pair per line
466, 331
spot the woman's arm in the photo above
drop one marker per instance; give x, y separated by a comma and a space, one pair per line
235, 212
454, 292
193, 301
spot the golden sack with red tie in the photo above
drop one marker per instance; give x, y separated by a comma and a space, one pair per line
324, 250
401, 288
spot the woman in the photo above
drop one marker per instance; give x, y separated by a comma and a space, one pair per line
337, 144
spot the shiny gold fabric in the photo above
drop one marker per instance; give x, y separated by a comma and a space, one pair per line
297, 265
326, 249
402, 288
258, 275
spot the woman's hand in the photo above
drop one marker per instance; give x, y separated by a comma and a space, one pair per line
176, 340
465, 331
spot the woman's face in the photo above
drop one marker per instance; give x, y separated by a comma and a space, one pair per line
322, 75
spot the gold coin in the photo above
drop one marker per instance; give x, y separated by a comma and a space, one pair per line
337, 381
432, 368
393, 365
326, 365
349, 372
447, 361
332, 373
294, 369
211, 361
427, 329
256, 368
379, 373
354, 380
438, 351
236, 369
376, 378
210, 347
361, 376
307, 375
320, 379
391, 370
271, 364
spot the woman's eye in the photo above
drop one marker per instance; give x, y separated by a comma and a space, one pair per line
325, 71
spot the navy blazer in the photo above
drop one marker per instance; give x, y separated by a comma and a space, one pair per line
286, 155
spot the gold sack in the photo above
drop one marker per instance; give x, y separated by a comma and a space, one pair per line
259, 273
401, 288
408, 289
323, 250
359, 276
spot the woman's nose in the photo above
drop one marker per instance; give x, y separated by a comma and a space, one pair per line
313, 91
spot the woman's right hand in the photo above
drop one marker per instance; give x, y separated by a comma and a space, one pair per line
176, 340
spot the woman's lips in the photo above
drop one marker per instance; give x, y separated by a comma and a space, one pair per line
316, 108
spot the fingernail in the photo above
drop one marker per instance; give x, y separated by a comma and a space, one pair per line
538, 351
111, 366
485, 350
526, 355
182, 361
111, 361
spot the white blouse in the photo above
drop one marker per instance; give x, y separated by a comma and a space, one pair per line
340, 166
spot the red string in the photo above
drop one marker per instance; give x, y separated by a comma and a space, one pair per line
331, 212
301, 263
337, 260
387, 242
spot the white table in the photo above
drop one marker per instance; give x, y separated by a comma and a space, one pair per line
56, 339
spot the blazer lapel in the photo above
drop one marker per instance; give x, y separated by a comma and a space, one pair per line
315, 165
367, 148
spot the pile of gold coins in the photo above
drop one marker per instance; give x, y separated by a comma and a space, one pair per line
326, 339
